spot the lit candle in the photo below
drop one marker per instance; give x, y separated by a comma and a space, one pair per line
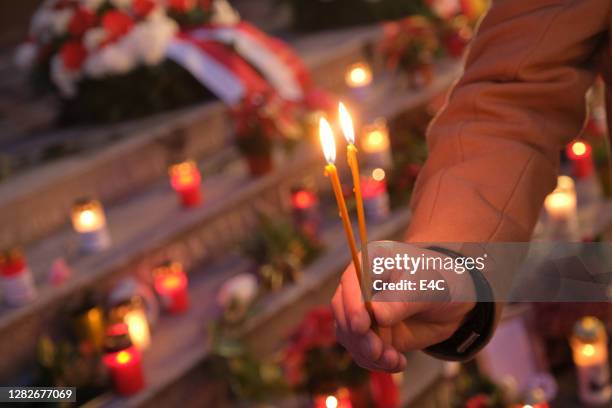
89, 222
186, 181
17, 282
123, 361
358, 75
376, 145
590, 350
580, 154
346, 123
560, 208
132, 313
89, 327
329, 150
171, 283
305, 209
339, 399
375, 196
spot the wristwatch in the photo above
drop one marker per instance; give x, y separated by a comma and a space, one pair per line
477, 327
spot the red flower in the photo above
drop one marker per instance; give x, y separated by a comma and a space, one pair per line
182, 6
143, 7
478, 401
81, 21
73, 55
117, 24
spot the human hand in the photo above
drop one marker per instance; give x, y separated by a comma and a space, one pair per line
413, 324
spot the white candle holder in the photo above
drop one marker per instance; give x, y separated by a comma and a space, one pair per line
562, 215
89, 221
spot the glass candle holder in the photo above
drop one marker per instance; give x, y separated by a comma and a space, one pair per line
186, 180
171, 285
561, 211
305, 210
376, 144
375, 196
16, 278
89, 325
133, 314
123, 361
89, 221
580, 155
590, 352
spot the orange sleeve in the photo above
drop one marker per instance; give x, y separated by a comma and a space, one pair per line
494, 147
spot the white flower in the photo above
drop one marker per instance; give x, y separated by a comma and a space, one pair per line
149, 40
446, 8
92, 5
114, 59
26, 55
60, 20
241, 288
41, 22
122, 4
93, 38
223, 13
64, 79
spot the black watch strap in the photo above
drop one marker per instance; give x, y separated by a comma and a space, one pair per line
477, 327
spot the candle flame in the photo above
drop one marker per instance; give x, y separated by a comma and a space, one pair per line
326, 134
588, 350
87, 218
346, 122
358, 75
378, 174
123, 357
579, 148
331, 402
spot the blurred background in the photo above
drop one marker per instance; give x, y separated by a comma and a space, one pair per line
169, 237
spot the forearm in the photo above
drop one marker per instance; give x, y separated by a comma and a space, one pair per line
494, 147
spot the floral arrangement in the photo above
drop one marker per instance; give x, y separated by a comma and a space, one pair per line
87, 50
315, 363
410, 46
260, 121
280, 250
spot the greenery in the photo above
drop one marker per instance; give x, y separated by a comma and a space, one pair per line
249, 377
280, 249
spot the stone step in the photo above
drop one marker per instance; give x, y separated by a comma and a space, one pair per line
140, 242
118, 160
171, 355
150, 227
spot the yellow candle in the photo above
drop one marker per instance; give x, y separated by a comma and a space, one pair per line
329, 149
351, 151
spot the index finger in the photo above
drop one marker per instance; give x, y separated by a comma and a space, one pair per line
352, 298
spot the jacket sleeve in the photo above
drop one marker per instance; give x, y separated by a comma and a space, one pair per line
494, 148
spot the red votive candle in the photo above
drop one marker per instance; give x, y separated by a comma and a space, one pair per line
580, 154
123, 361
16, 279
171, 284
305, 206
186, 181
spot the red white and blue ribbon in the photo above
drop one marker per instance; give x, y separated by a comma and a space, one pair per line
237, 61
